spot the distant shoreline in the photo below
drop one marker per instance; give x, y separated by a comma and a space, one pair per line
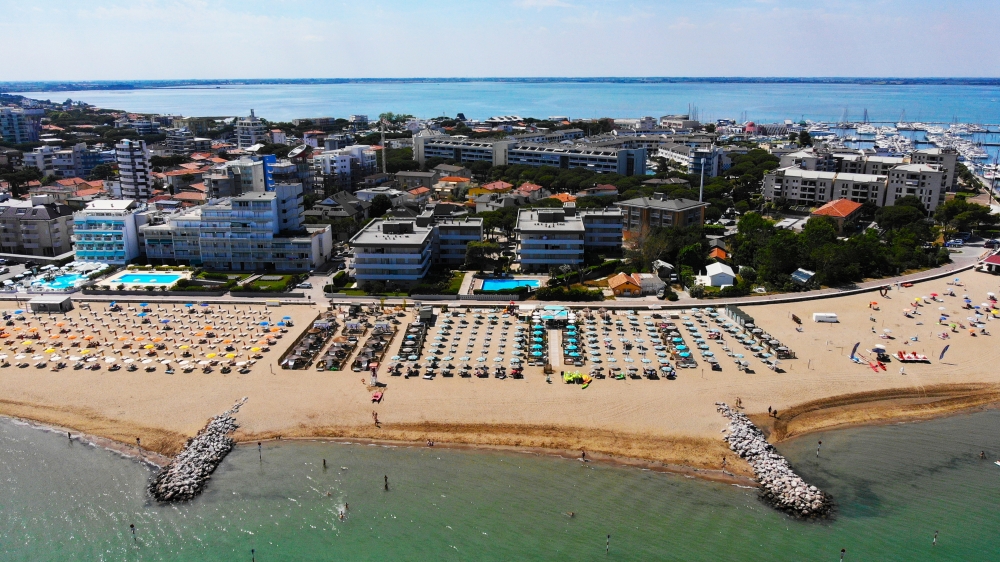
84, 85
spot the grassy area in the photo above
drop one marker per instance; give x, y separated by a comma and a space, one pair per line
269, 285
456, 281
362, 293
215, 275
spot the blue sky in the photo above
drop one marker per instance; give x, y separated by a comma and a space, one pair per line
163, 39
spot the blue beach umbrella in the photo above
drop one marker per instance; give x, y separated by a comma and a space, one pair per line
265, 323
141, 314
536, 346
189, 305
144, 304
19, 311
281, 324
165, 321
536, 353
286, 317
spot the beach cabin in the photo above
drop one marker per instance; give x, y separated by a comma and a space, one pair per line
624, 285
51, 304
825, 317
992, 264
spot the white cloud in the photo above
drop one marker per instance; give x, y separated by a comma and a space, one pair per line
542, 4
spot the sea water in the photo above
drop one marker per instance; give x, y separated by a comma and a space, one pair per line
480, 100
895, 486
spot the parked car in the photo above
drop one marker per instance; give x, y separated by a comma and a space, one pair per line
4, 269
954, 243
341, 267
3, 261
29, 264
306, 285
964, 236
991, 243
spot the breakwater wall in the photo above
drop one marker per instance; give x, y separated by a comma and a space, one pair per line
780, 486
185, 476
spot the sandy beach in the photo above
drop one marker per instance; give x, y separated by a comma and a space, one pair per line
671, 422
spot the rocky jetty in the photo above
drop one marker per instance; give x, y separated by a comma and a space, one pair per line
185, 476
780, 486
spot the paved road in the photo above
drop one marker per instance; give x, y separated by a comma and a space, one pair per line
963, 259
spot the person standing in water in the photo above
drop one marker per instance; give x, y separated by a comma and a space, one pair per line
386, 482
818, 445
934, 542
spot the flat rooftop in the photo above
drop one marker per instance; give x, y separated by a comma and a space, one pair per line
392, 233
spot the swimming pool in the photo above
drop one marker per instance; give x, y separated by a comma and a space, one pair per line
148, 278
62, 282
500, 284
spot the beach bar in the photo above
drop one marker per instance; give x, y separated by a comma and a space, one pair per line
51, 303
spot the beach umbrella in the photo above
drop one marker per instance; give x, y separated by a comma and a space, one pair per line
147, 361
536, 353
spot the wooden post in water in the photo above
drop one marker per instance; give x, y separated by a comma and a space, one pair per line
253, 555
260, 455
132, 526
607, 548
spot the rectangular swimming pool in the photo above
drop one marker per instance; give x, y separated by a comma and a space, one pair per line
148, 278
499, 284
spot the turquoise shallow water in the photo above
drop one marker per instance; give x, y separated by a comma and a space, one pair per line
895, 486
479, 100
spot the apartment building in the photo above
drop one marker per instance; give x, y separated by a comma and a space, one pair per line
622, 161
254, 231
707, 160
19, 125
553, 237
945, 158
345, 166
250, 131
182, 142
927, 182
452, 236
107, 231
810, 188
399, 251
644, 214
142, 125
460, 149
197, 125
235, 178
554, 136
42, 158
38, 227
134, 169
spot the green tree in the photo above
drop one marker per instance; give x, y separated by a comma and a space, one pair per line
481, 255
380, 205
102, 172
805, 139
962, 214
19, 180
898, 216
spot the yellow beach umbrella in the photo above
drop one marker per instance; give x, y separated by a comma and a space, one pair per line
230, 356
148, 346
26, 342
185, 346
211, 355
50, 350
84, 351
255, 349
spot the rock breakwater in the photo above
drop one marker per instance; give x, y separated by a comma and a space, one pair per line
780, 486
185, 476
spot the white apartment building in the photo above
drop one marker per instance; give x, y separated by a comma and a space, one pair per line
809, 188
553, 237
234, 178
392, 250
459, 149
107, 231
134, 169
243, 233
603, 160
693, 158
946, 158
921, 180
42, 158
396, 196
250, 131
142, 125
20, 125
182, 142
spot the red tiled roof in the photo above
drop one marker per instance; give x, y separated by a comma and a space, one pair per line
455, 179
218, 160
842, 208
564, 197
70, 182
497, 186
96, 183
528, 187
419, 191
158, 198
88, 192
622, 279
189, 196
190, 166
199, 187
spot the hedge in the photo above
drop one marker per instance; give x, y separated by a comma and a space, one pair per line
573, 294
523, 291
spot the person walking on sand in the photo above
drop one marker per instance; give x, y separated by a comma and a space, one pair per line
723, 463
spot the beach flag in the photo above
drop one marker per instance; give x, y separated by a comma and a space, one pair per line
855, 350
943, 351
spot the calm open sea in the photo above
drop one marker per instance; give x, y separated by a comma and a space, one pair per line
896, 485
479, 100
